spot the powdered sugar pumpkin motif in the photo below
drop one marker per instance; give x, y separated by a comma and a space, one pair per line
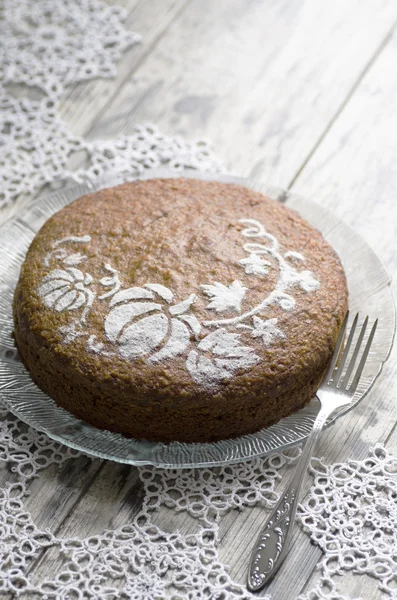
65, 289
147, 322
142, 320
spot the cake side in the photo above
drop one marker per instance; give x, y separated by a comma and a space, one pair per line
179, 309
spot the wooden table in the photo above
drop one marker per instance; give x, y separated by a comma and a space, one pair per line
302, 94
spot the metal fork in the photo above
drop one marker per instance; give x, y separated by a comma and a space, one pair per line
334, 393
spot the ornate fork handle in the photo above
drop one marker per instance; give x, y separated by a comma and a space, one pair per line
273, 541
335, 392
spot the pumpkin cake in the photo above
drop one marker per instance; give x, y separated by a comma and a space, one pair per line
179, 309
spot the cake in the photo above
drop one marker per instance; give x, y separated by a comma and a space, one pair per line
179, 309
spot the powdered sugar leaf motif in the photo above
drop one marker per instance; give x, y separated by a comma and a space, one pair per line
229, 356
225, 297
255, 265
304, 279
285, 301
289, 276
267, 330
308, 282
222, 343
204, 371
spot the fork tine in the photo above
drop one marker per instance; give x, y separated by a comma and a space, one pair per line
338, 345
338, 371
353, 359
363, 360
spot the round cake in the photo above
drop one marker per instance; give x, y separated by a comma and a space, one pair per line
179, 309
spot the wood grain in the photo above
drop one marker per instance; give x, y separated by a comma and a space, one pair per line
353, 173
300, 94
262, 80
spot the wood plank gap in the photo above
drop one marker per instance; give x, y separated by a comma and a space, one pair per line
390, 433
137, 5
138, 64
311, 575
345, 102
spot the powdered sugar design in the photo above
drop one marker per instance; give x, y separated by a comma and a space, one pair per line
227, 355
140, 337
225, 297
267, 330
289, 276
147, 322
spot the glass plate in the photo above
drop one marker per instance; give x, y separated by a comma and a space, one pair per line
369, 291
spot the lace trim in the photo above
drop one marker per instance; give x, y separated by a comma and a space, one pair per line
45, 44
351, 514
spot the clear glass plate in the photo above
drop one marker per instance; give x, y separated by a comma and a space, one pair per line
369, 292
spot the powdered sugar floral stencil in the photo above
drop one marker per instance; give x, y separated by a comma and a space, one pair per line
146, 321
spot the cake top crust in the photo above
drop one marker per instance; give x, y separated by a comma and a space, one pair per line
182, 287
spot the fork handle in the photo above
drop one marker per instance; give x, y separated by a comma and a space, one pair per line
273, 541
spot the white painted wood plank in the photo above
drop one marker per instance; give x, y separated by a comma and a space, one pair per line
260, 79
353, 173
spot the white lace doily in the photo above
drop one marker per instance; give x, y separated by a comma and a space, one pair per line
351, 510
137, 560
53, 43
351, 513
33, 130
